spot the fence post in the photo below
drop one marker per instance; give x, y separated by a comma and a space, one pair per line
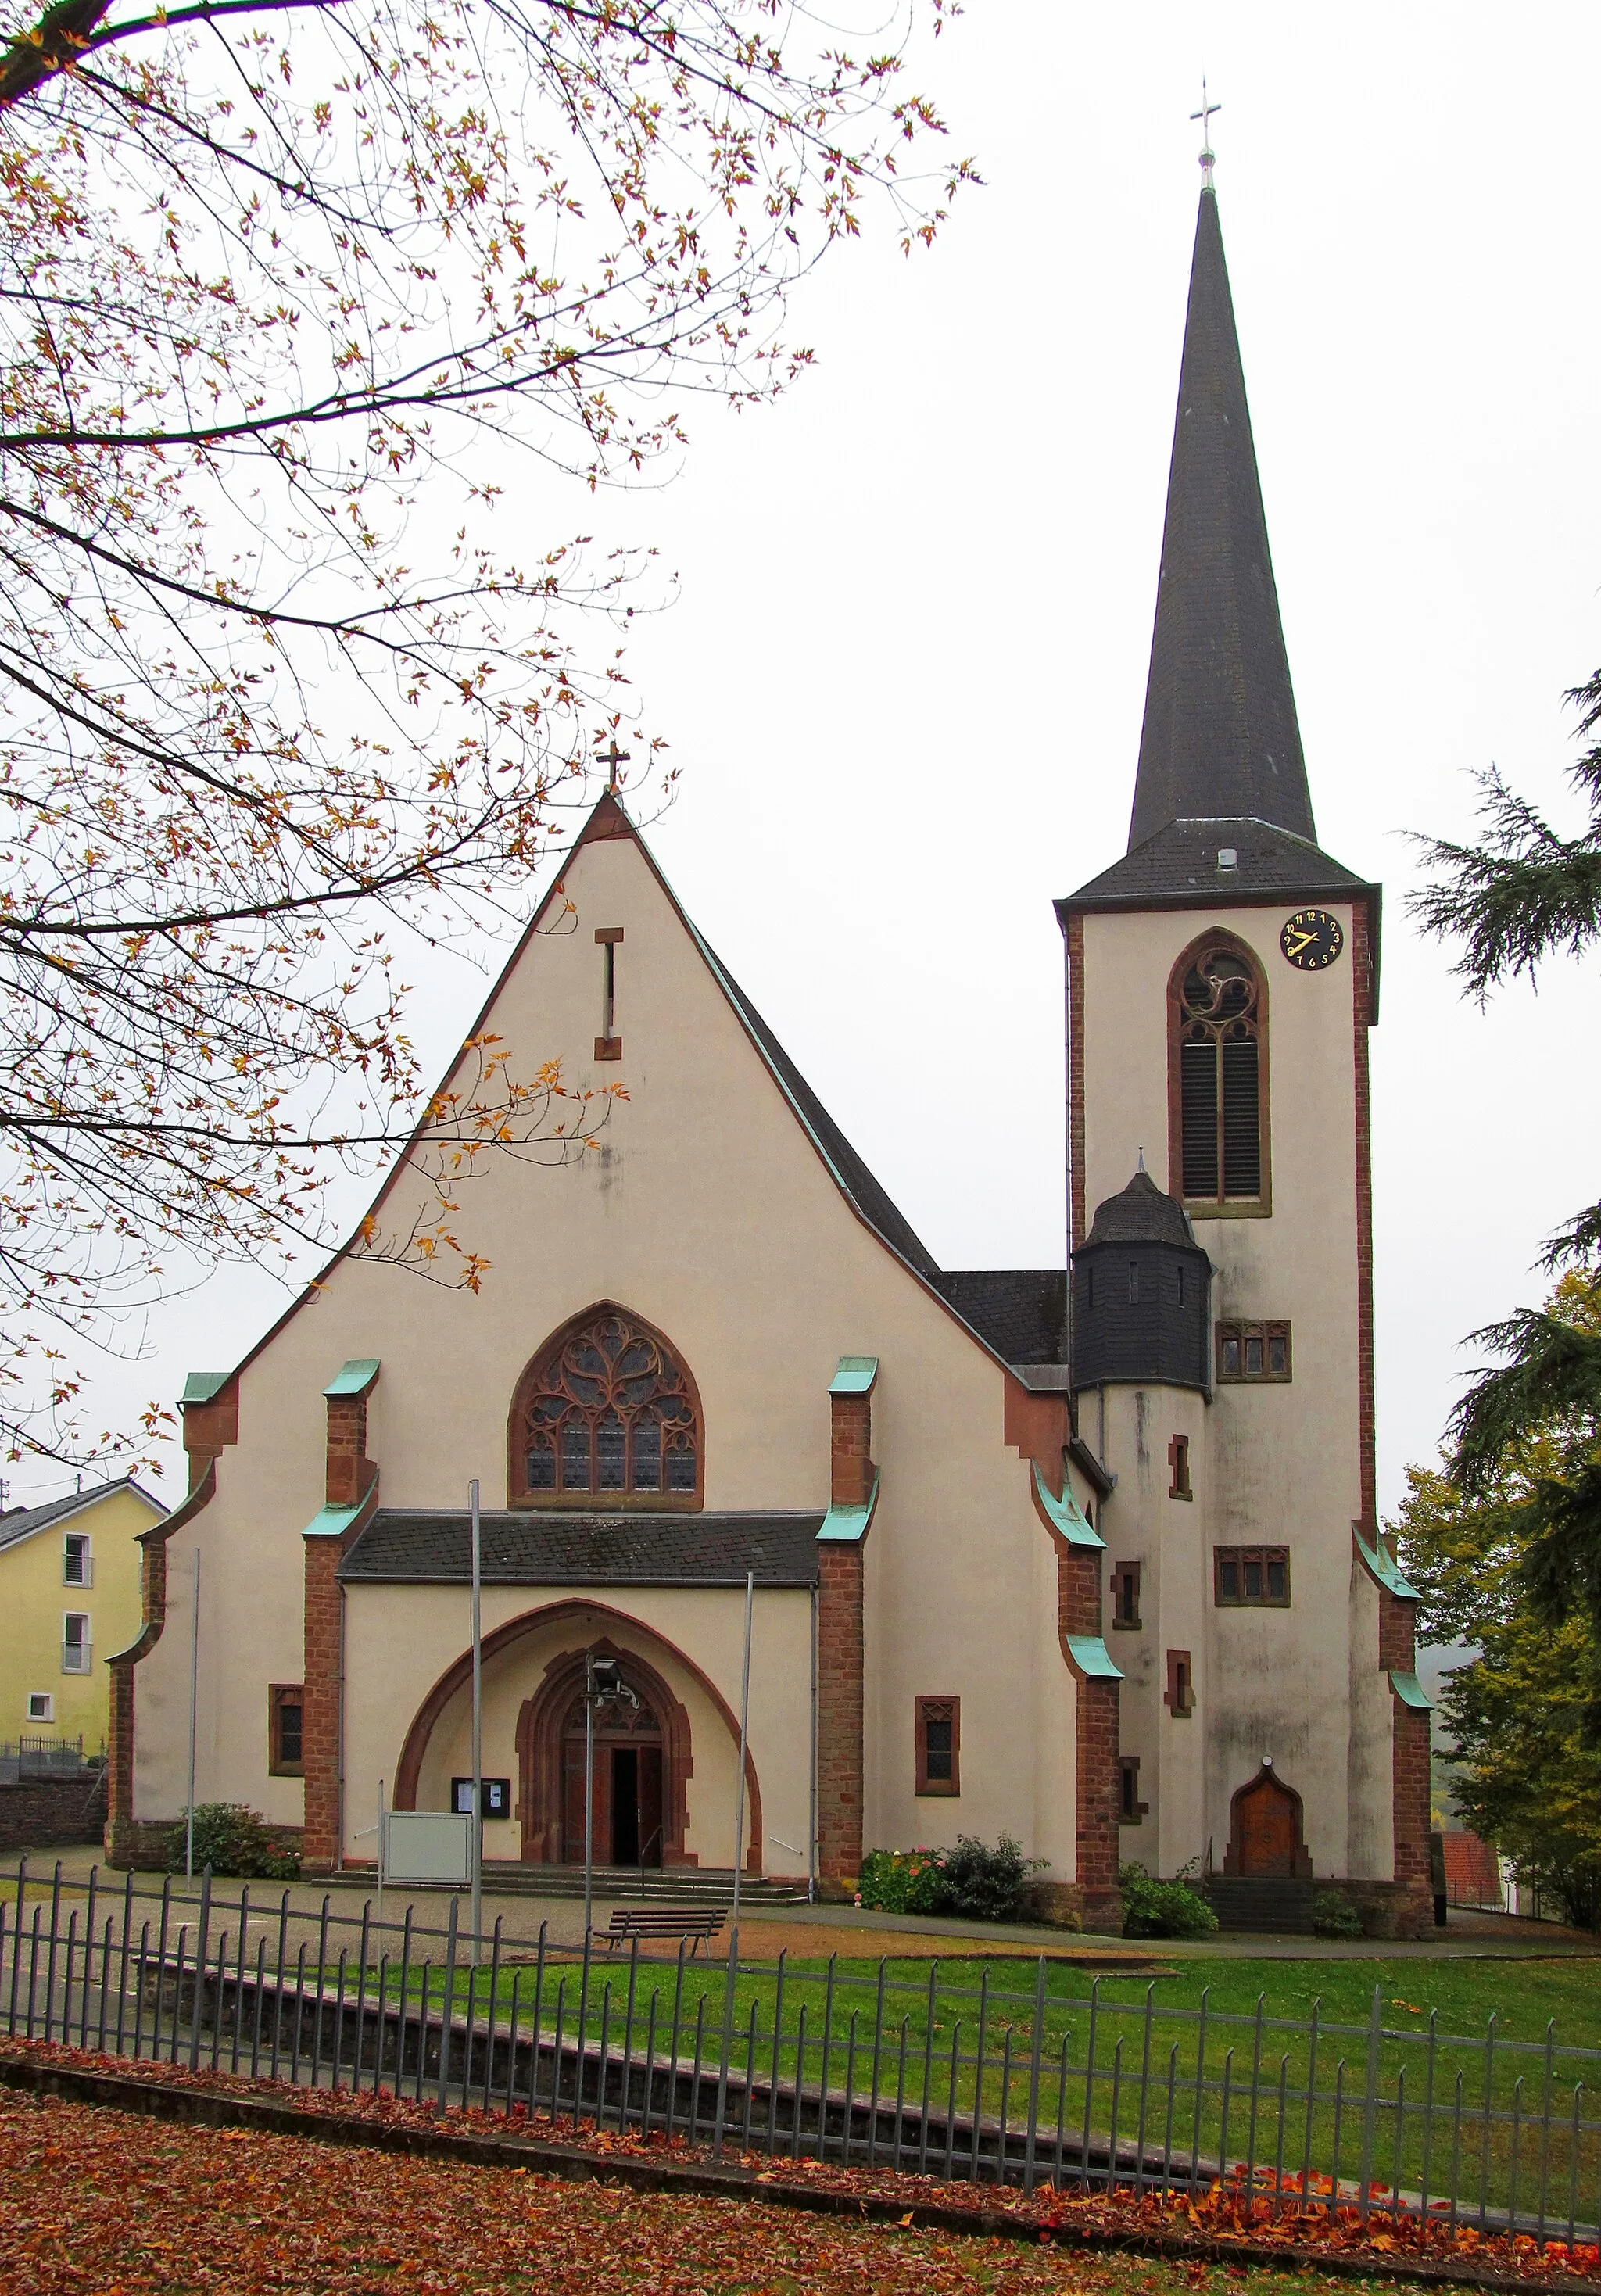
203, 1936
1028, 2169
1370, 2102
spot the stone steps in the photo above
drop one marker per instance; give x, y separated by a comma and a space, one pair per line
673, 1885
1270, 1904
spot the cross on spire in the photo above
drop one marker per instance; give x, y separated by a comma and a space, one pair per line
1207, 156
612, 758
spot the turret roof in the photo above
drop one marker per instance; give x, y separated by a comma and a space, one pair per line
1140, 1213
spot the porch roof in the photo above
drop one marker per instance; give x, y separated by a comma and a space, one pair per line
428, 1547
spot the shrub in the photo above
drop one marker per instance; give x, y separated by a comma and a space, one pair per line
982, 1884
972, 1881
902, 1881
232, 1839
1162, 1909
1334, 1915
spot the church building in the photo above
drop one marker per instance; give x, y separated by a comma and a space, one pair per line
1085, 1556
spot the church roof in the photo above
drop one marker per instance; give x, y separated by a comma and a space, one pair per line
1220, 735
1021, 1311
427, 1547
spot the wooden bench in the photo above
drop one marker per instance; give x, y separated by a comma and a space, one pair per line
669, 1924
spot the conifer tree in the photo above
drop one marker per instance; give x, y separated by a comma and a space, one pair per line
1522, 895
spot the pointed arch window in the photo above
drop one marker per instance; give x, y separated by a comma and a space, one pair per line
1217, 1079
606, 1415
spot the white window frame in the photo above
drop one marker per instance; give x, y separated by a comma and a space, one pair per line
83, 1650
46, 1699
86, 1559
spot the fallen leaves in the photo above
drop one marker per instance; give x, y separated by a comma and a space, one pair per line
257, 2198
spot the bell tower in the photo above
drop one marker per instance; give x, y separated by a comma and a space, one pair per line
1222, 977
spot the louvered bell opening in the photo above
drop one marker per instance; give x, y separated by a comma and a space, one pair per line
1198, 1092
1242, 1119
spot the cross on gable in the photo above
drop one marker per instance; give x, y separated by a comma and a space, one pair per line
612, 758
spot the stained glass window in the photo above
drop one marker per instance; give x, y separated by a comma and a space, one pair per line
608, 1411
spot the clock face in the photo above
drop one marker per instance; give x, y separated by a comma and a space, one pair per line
1311, 940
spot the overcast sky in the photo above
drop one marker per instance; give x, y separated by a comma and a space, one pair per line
904, 675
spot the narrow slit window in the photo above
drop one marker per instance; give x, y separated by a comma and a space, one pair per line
608, 1045
286, 1729
1179, 1696
1125, 1595
1131, 1809
938, 1727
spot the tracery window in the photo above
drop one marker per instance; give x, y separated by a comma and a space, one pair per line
1219, 1078
606, 1413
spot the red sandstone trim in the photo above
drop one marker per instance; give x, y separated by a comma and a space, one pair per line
322, 1837
350, 1471
1098, 1786
850, 1450
842, 1664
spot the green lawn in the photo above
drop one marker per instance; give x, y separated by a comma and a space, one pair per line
1260, 2060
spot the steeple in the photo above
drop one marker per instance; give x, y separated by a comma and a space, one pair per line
1221, 739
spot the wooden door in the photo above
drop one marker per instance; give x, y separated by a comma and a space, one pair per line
1266, 1829
572, 1800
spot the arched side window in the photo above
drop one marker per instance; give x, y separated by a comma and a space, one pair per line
605, 1415
1217, 1159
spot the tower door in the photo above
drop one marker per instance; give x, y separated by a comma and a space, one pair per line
1265, 1839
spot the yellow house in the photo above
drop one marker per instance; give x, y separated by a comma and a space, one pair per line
69, 1600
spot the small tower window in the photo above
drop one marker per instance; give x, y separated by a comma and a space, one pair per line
1253, 1351
1179, 1696
1178, 1460
1254, 1577
1218, 1118
1125, 1595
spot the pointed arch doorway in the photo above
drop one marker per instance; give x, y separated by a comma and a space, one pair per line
642, 1766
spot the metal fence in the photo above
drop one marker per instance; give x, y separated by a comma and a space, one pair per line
1002, 2071
46, 1758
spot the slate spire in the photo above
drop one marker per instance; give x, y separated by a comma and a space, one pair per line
1220, 738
